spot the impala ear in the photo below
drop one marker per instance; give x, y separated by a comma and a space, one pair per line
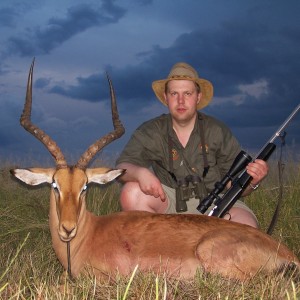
103, 175
34, 176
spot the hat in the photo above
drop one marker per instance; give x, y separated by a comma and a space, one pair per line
183, 71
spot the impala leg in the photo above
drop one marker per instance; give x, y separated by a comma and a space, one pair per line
234, 255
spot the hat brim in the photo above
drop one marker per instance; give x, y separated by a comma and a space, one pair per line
206, 87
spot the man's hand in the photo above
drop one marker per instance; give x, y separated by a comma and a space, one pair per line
258, 170
150, 184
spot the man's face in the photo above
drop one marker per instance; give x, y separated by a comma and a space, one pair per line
182, 98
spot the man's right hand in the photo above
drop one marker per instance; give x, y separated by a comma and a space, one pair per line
148, 182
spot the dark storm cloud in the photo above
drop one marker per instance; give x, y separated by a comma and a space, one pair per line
79, 18
91, 88
132, 86
230, 56
8, 17
42, 83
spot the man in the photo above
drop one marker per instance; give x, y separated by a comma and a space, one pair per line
166, 151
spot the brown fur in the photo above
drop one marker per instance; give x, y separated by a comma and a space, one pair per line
173, 244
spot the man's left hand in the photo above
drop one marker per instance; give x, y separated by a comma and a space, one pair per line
258, 170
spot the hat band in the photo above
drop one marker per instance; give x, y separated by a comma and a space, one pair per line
176, 77
179, 76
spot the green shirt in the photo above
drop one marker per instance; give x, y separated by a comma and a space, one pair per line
149, 147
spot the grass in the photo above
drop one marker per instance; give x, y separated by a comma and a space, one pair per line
29, 268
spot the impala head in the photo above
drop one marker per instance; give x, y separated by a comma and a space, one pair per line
68, 183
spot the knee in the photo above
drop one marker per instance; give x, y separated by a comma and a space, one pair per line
243, 216
129, 195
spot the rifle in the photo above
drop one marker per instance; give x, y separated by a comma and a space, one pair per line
241, 182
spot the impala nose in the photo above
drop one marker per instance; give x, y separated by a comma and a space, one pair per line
67, 232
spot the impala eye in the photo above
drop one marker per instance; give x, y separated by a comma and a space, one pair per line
84, 188
54, 185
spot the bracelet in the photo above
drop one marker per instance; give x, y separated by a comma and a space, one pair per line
254, 187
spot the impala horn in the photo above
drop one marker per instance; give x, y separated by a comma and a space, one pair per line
118, 131
25, 121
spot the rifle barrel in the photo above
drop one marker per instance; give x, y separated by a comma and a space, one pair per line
281, 128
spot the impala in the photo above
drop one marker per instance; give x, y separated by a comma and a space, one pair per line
175, 245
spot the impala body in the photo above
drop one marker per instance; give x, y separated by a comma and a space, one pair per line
175, 245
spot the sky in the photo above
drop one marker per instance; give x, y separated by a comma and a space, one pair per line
249, 50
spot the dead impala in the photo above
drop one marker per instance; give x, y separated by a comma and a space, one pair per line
175, 245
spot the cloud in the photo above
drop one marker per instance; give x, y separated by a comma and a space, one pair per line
43, 40
256, 89
8, 17
235, 66
252, 69
42, 83
90, 88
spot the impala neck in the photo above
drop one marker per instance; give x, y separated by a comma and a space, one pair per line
77, 243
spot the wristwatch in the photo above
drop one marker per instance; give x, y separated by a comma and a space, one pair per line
254, 187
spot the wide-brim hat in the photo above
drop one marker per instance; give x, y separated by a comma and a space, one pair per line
183, 71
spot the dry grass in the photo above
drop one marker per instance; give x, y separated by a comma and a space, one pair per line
29, 268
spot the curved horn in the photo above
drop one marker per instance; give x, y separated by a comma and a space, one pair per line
25, 121
119, 130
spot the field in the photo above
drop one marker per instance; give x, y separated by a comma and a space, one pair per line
29, 268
